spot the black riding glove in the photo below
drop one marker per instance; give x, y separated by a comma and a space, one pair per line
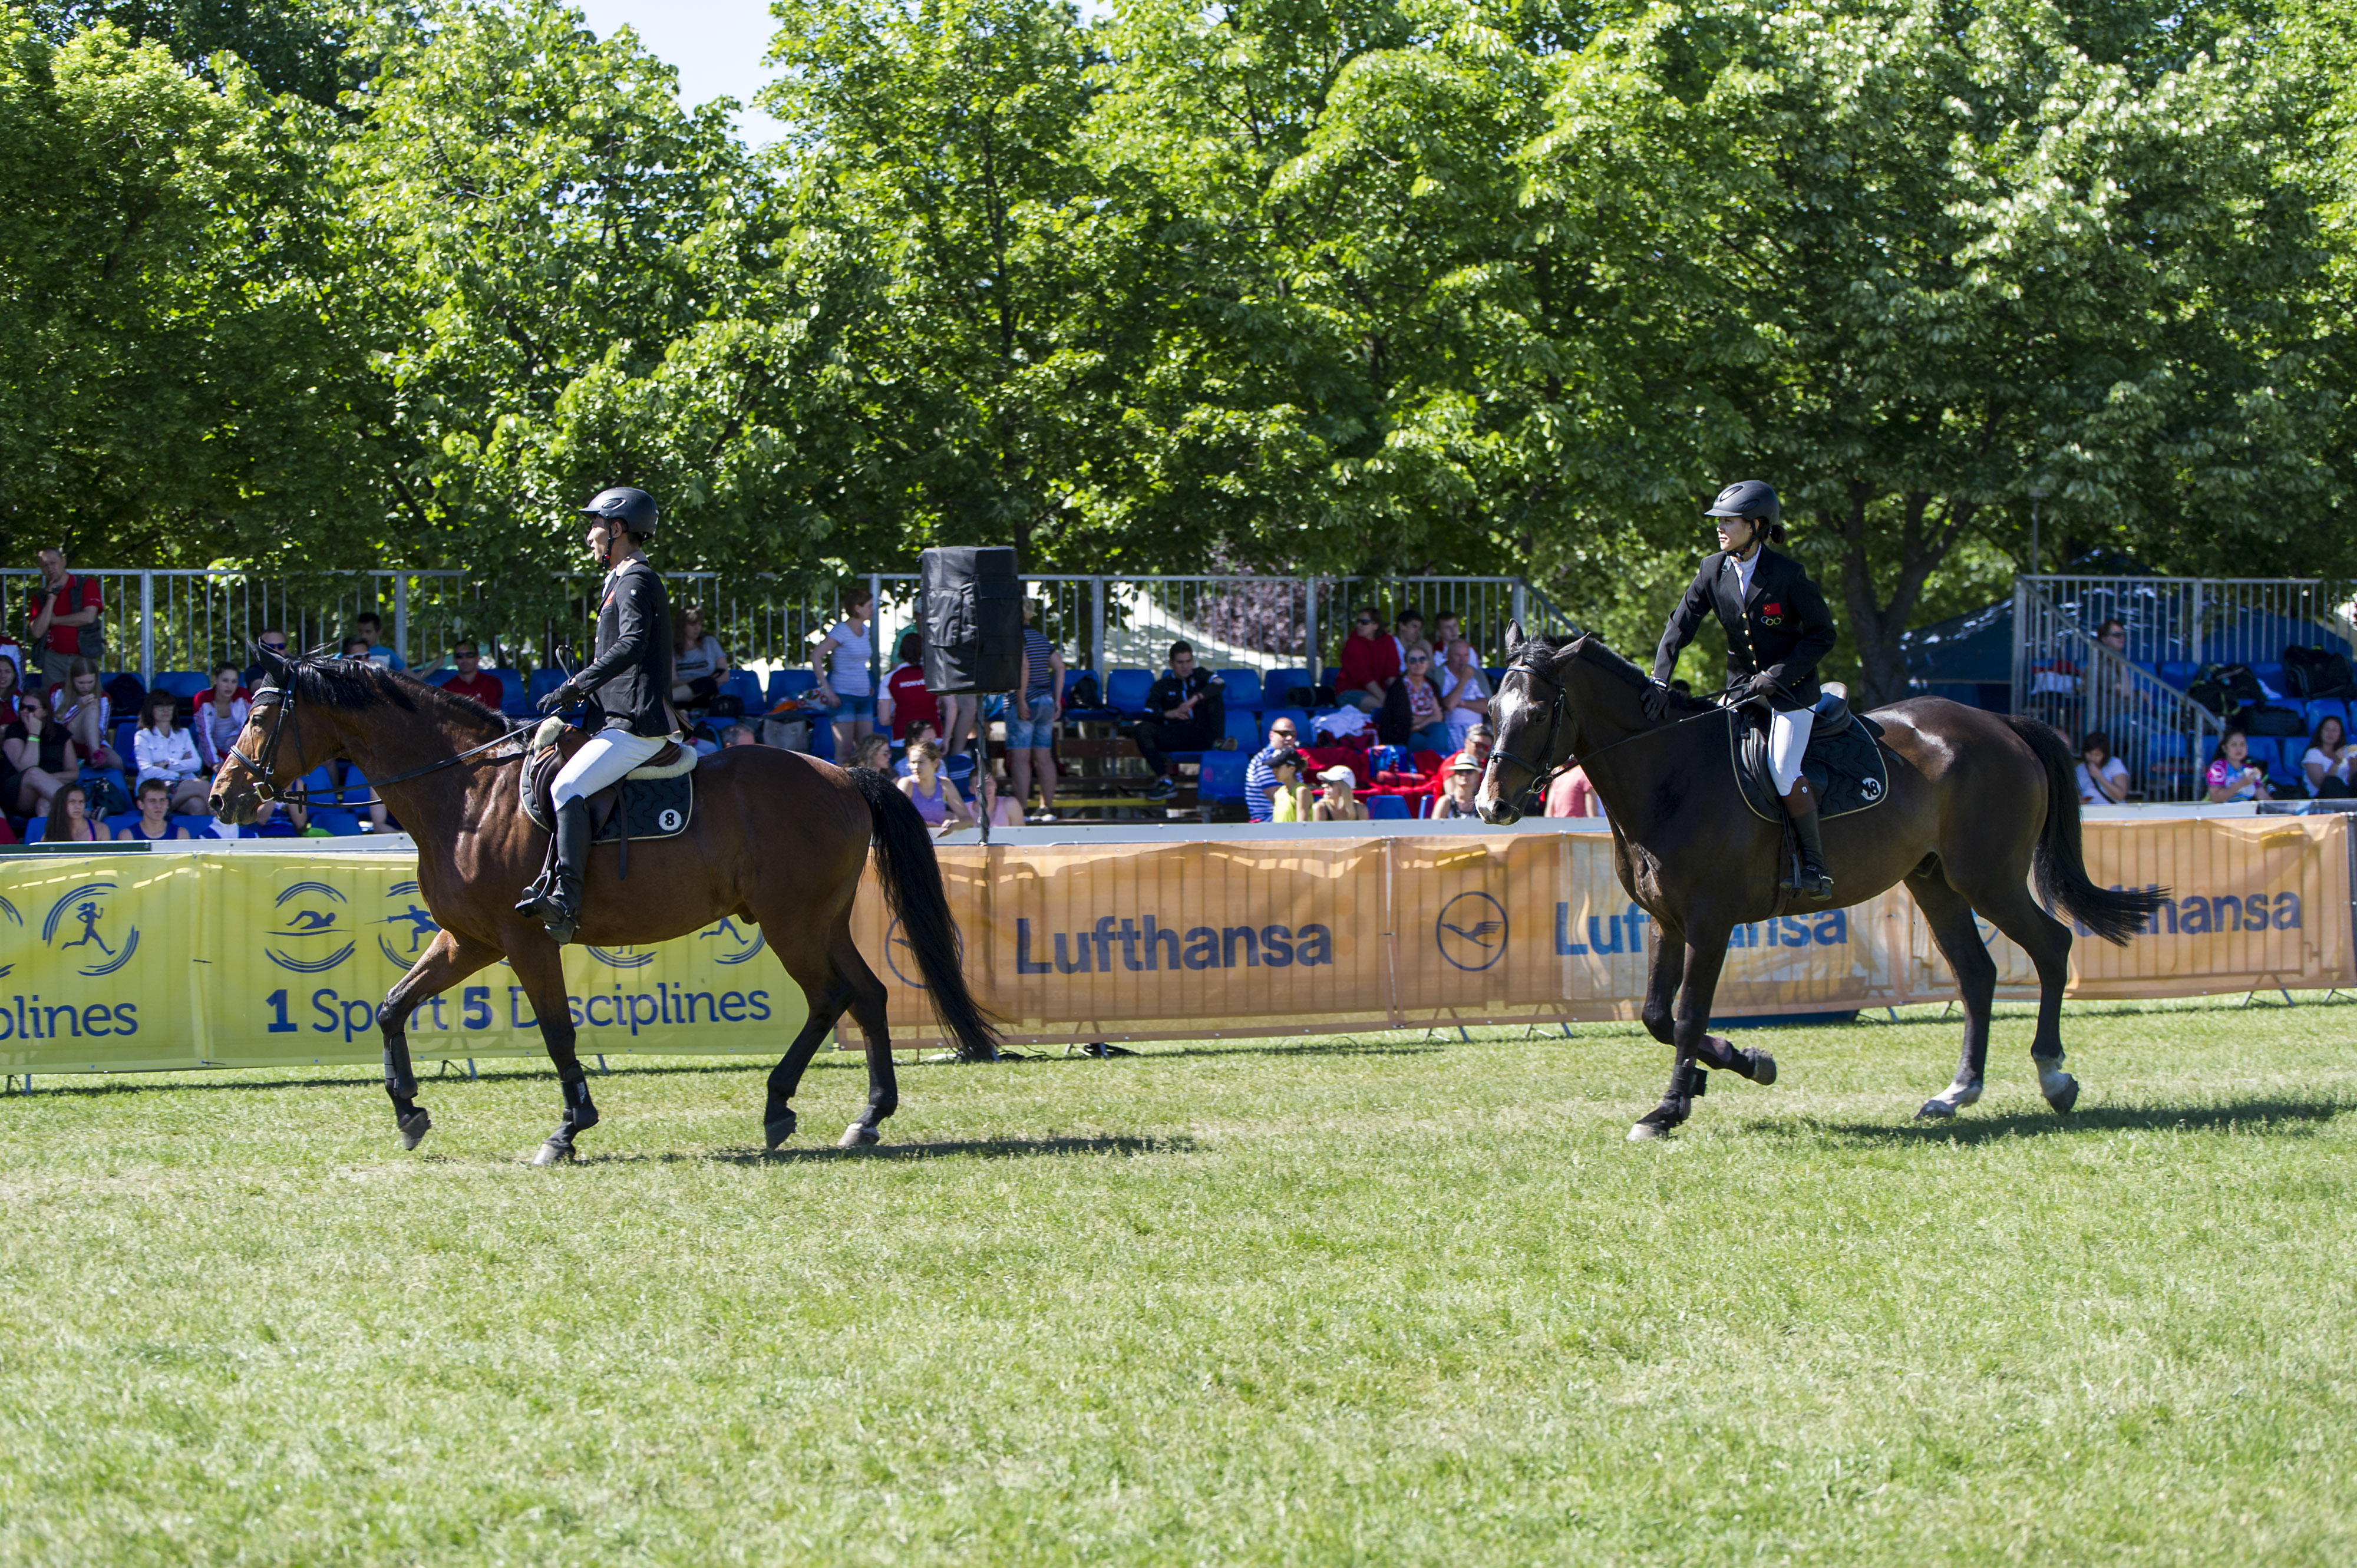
1657, 700
1762, 688
565, 696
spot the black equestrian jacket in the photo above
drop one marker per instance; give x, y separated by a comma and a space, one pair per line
629, 682
1783, 628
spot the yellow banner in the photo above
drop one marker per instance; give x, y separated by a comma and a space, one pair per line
170, 960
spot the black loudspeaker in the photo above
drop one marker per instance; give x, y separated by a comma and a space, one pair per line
972, 608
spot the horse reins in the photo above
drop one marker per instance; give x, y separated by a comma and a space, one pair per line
282, 698
1541, 776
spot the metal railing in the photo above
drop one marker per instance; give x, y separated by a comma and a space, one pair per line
2186, 620
190, 620
2084, 689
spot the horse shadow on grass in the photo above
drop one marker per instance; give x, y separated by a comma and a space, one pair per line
2280, 1116
969, 1148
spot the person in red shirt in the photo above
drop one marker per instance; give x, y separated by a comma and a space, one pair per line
61, 619
905, 696
472, 679
1370, 662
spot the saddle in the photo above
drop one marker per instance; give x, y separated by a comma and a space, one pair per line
1845, 763
654, 801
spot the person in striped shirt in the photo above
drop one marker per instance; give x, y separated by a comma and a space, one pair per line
1260, 774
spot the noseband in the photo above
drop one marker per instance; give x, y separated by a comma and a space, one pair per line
1542, 773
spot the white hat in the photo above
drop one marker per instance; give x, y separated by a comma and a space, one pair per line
1338, 774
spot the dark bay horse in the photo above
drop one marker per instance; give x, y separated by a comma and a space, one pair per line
777, 839
1979, 803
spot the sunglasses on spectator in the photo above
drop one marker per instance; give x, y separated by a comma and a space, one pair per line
1366, 620
276, 647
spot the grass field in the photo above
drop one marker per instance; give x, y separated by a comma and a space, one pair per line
1371, 1301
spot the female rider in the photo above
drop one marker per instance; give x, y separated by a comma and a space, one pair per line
1777, 630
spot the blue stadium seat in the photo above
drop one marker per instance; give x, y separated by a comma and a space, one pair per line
746, 687
2327, 707
120, 821
1126, 690
339, 823
543, 681
1277, 686
1224, 775
199, 827
2177, 673
318, 785
181, 683
357, 790
512, 701
34, 827
2270, 675
1242, 688
784, 683
1387, 808
1244, 730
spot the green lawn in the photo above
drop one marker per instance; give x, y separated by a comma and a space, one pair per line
1383, 1300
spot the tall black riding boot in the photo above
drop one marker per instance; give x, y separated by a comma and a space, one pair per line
560, 911
1812, 883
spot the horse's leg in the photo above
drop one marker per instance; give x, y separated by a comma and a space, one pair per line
869, 1003
1661, 989
540, 969
806, 964
1705, 954
2047, 940
1949, 916
447, 960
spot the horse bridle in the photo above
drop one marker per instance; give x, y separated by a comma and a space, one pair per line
281, 698
1541, 776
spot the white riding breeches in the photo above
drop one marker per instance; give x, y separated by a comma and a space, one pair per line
610, 753
1788, 742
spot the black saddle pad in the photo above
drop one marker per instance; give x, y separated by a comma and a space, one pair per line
1849, 770
656, 809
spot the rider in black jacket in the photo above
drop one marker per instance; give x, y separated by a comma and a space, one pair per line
627, 686
1777, 630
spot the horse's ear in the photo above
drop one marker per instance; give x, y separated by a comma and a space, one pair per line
1513, 638
272, 662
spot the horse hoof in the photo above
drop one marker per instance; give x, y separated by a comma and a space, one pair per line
1646, 1131
1763, 1067
858, 1137
1935, 1111
2066, 1097
778, 1132
414, 1128
554, 1154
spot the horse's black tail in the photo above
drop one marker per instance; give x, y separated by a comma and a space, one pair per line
2115, 914
912, 886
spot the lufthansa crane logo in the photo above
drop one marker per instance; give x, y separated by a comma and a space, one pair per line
82, 910
309, 934
1471, 932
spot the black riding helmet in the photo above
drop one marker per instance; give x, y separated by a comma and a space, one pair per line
634, 510
1754, 499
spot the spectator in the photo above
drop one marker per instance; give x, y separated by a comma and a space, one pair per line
1427, 727
369, 629
70, 817
155, 815
935, 794
221, 715
285, 820
872, 751
844, 685
472, 679
1464, 691
276, 641
2103, 777
41, 754
1260, 778
996, 808
168, 752
88, 715
358, 646
1571, 795
1370, 663
1409, 633
61, 619
1289, 799
2232, 776
2327, 761
1464, 779
906, 702
1337, 803
1184, 711
698, 662
739, 734
9, 689
1444, 632
1031, 719
1282, 735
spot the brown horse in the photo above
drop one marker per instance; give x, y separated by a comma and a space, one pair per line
1977, 803
777, 839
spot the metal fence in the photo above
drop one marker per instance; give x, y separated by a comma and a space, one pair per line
2064, 673
191, 619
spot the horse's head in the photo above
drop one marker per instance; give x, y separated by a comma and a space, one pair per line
1534, 726
283, 739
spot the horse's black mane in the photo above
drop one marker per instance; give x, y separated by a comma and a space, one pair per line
360, 683
1589, 647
